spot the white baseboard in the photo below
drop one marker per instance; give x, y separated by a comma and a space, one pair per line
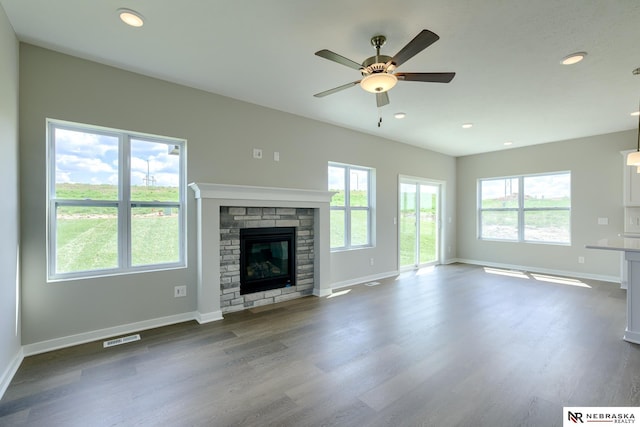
321, 292
9, 373
364, 279
630, 336
576, 274
208, 317
85, 337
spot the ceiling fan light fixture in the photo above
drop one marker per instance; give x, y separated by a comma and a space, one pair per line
574, 58
378, 82
400, 115
131, 17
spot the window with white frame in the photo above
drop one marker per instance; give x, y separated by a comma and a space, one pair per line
528, 208
116, 201
351, 206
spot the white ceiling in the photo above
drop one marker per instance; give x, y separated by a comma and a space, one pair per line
506, 54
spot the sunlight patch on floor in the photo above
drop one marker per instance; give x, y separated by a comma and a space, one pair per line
425, 270
559, 280
339, 293
415, 272
502, 272
537, 276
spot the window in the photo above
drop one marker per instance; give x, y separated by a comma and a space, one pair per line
116, 201
532, 208
351, 216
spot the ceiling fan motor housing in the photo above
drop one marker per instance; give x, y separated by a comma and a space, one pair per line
376, 64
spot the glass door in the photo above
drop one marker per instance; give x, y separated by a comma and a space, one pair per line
419, 222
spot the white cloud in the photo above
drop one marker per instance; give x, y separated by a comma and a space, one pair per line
62, 177
85, 157
84, 144
82, 164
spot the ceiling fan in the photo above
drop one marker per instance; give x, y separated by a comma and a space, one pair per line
378, 72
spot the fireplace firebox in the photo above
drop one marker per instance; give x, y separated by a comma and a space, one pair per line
267, 258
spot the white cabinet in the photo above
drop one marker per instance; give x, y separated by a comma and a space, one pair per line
631, 183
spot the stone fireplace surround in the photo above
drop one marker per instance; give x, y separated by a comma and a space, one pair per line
210, 198
232, 220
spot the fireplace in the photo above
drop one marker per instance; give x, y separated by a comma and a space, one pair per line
223, 210
267, 258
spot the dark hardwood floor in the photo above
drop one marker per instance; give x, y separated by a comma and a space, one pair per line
454, 346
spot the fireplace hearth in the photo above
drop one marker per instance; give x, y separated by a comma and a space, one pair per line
267, 258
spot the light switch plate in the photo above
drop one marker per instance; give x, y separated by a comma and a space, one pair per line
632, 220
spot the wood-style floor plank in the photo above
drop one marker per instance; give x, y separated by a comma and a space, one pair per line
456, 345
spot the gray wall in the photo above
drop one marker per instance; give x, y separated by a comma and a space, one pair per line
221, 134
596, 167
9, 214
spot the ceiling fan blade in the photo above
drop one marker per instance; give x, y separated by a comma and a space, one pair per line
332, 56
426, 77
382, 99
420, 42
336, 89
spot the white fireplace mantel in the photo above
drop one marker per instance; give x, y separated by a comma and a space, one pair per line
209, 199
244, 192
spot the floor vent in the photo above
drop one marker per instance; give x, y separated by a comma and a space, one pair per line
372, 284
121, 340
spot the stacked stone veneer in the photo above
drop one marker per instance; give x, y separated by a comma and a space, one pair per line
232, 219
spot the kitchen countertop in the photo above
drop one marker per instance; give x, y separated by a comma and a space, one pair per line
620, 243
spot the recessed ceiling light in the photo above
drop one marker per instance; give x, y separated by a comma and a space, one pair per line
636, 113
508, 143
467, 125
574, 58
131, 17
400, 115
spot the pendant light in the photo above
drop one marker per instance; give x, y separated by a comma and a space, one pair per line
633, 158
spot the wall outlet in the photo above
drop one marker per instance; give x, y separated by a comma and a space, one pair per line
180, 291
580, 260
371, 261
257, 153
276, 156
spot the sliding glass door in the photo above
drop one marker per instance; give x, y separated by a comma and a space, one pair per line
419, 221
